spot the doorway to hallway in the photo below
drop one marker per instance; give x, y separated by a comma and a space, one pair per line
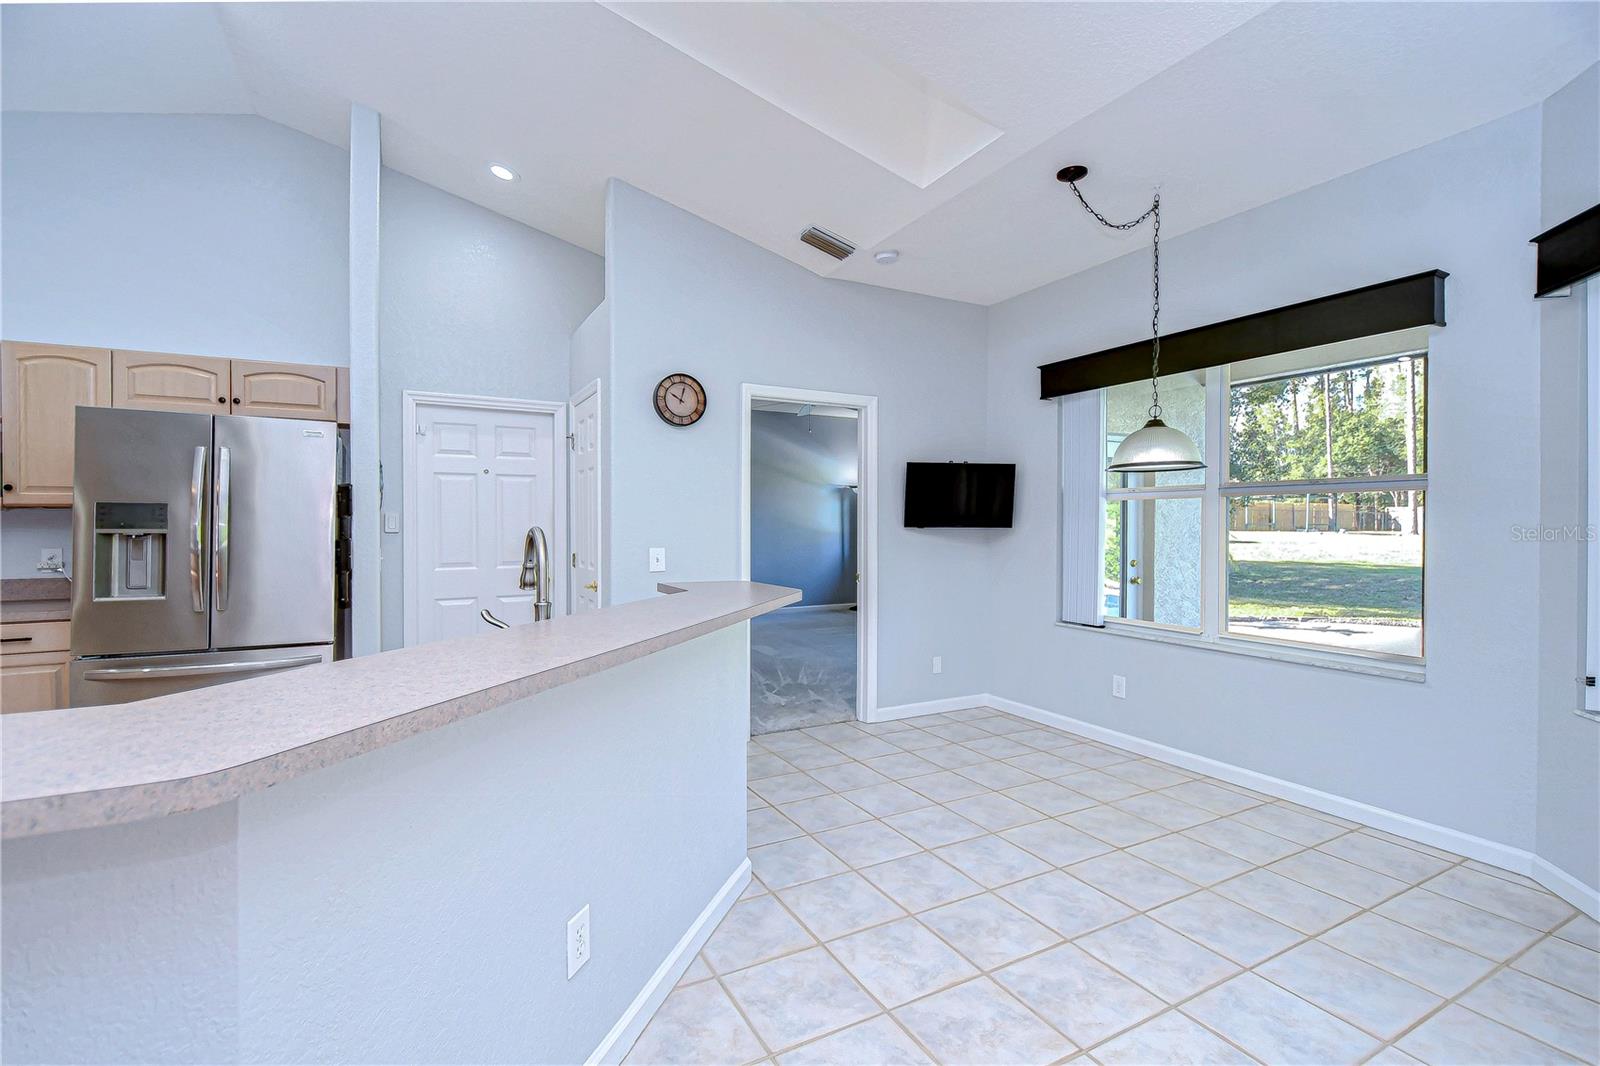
806, 507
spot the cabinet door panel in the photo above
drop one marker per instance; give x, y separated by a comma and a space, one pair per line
285, 390
33, 683
43, 384
157, 381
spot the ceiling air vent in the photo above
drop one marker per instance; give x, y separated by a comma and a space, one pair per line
824, 241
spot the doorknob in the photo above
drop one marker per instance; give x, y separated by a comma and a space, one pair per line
1133, 581
593, 586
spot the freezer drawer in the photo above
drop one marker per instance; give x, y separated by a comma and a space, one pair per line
123, 679
272, 533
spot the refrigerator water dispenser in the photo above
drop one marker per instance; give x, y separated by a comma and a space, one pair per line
130, 550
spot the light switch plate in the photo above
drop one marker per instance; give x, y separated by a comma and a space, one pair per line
1119, 686
658, 560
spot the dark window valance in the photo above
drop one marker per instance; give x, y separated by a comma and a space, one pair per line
1568, 252
1404, 303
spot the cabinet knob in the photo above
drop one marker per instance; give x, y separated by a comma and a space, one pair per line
222, 399
236, 399
6, 488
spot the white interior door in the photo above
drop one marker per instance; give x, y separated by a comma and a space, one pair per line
586, 501
483, 477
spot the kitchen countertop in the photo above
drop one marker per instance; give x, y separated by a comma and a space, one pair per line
89, 766
35, 599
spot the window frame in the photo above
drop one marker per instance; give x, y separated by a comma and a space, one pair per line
1214, 494
1591, 694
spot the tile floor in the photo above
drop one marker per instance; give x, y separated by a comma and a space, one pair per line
972, 888
802, 669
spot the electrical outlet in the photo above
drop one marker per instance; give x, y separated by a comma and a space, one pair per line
50, 560
938, 664
1119, 686
391, 522
577, 941
658, 560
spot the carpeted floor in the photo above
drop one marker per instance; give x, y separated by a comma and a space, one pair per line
802, 669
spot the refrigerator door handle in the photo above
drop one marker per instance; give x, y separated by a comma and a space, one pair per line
222, 507
197, 508
147, 673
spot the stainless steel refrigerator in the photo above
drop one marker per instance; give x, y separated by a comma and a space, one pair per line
203, 550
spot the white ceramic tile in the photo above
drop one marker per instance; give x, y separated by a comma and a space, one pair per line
1275, 1026
867, 747
1171, 1038
697, 971
1414, 845
1465, 926
1095, 755
823, 812
1286, 901
934, 827
1045, 764
696, 1024
787, 788
789, 862
1049, 797
1392, 1056
916, 740
765, 825
1330, 874
1530, 906
1164, 810
867, 844
799, 997
1458, 1037
1190, 859
957, 731
1117, 828
1248, 843
1170, 965
997, 747
1064, 903
1006, 726
979, 1022
1503, 874
1291, 824
1148, 774
994, 811
1392, 859
1581, 930
1078, 994
838, 905
1225, 927
991, 861
1543, 1011
886, 799
1100, 785
1131, 879
996, 775
918, 882
878, 1040
988, 930
951, 755
1211, 797
944, 786
900, 961
1055, 842
1361, 994
753, 801
814, 755
754, 931
1441, 968
901, 765
847, 775
766, 765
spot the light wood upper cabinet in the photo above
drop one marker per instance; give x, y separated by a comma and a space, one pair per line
343, 377
156, 381
42, 384
285, 390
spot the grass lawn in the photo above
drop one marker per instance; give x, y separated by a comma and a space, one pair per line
1259, 588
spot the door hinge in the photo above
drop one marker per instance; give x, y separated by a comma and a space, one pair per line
572, 445
422, 429
574, 558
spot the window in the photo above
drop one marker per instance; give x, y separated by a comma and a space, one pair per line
1306, 527
1591, 295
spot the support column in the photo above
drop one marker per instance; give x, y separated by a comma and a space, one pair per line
366, 472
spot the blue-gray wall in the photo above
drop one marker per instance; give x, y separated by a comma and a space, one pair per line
802, 505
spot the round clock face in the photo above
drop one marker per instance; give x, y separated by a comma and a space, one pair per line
680, 400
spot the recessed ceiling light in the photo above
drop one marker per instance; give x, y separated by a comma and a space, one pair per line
503, 173
887, 256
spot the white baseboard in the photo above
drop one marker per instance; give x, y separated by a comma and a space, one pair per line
914, 710
644, 1005
1585, 897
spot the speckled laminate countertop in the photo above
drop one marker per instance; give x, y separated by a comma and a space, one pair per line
88, 766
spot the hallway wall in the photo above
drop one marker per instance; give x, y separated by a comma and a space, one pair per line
802, 508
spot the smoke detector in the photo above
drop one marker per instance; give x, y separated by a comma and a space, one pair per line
831, 243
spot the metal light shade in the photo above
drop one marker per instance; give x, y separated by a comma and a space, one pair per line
1154, 448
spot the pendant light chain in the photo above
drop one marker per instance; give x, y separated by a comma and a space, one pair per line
1155, 285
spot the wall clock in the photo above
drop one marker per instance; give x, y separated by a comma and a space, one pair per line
680, 400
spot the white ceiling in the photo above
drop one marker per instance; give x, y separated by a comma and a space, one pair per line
933, 128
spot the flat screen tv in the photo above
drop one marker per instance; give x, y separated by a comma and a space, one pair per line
976, 495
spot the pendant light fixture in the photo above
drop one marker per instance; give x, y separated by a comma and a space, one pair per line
1156, 446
